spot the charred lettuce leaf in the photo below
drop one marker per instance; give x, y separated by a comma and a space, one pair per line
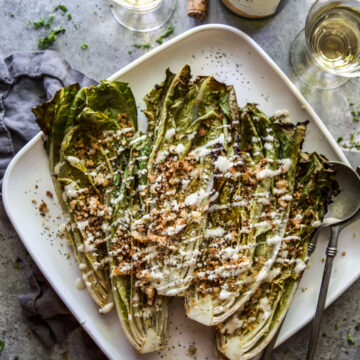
190, 133
245, 223
85, 128
246, 334
143, 315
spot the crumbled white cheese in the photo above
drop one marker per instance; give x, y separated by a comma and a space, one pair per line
224, 294
217, 232
107, 308
300, 266
72, 160
170, 133
274, 240
223, 164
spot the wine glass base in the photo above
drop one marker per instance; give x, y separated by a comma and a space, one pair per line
143, 21
307, 70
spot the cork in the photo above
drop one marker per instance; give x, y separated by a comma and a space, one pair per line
197, 8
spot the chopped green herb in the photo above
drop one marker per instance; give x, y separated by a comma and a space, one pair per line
144, 46
62, 8
350, 339
39, 24
12, 15
2, 344
351, 104
336, 326
94, 12
42, 22
129, 52
339, 139
357, 327
16, 358
111, 5
84, 46
353, 113
69, 16
17, 263
28, 23
356, 118
58, 29
169, 30
49, 39
352, 138
49, 21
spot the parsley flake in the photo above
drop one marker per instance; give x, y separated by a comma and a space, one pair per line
39, 24
2, 344
144, 46
62, 8
169, 30
42, 22
49, 39
69, 16
84, 46
350, 339
357, 327
17, 263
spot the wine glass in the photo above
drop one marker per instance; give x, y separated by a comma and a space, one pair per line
142, 15
327, 52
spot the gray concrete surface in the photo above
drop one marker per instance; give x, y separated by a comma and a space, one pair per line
109, 44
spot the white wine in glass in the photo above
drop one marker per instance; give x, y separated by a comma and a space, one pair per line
327, 52
139, 5
142, 15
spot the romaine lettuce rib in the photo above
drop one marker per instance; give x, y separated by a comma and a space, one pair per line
248, 331
277, 162
143, 315
225, 250
85, 128
190, 126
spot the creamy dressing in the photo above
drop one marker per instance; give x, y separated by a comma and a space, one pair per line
79, 283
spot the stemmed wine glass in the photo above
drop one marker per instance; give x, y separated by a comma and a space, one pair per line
142, 15
327, 52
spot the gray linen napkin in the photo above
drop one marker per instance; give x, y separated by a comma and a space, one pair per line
28, 79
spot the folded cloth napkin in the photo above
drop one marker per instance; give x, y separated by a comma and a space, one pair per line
28, 79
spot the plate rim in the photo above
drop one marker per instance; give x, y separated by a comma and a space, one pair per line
325, 132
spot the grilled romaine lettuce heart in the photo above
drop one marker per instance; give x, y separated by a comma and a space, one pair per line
191, 132
91, 145
246, 333
250, 218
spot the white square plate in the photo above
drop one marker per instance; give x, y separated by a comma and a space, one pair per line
232, 57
